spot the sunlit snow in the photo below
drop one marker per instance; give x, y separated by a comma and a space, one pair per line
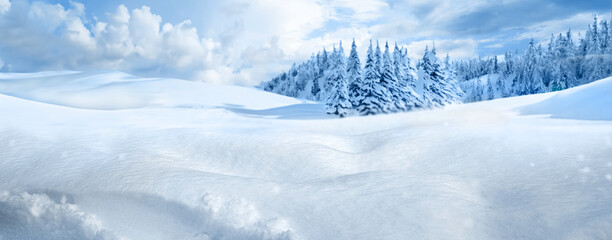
106, 155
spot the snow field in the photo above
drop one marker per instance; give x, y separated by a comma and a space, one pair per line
220, 171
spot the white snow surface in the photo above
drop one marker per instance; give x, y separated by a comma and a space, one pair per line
592, 101
116, 90
106, 155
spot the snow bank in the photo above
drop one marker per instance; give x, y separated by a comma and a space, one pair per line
588, 102
115, 90
36, 216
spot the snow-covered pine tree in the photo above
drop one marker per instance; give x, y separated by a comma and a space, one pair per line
594, 61
408, 69
501, 86
451, 77
437, 92
397, 66
479, 91
354, 76
338, 99
315, 89
564, 72
535, 68
301, 79
378, 58
560, 66
606, 46
388, 80
581, 54
270, 86
548, 62
604, 36
495, 68
405, 79
323, 65
289, 82
376, 98
608, 52
490, 91
508, 64
529, 80
282, 86
329, 82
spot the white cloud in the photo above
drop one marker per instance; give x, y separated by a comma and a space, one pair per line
263, 37
245, 45
497, 45
54, 37
262, 55
244, 42
541, 31
418, 19
448, 10
259, 38
458, 48
48, 16
405, 28
356, 11
5, 5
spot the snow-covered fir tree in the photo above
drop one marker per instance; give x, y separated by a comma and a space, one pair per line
378, 58
593, 65
324, 65
530, 78
375, 99
329, 82
411, 73
490, 91
406, 80
388, 80
354, 75
338, 99
562, 64
437, 91
451, 78
315, 89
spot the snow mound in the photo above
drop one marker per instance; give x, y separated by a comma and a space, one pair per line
36, 216
110, 90
149, 216
588, 102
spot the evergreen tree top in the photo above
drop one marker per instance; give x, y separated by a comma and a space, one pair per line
433, 48
386, 47
370, 55
354, 57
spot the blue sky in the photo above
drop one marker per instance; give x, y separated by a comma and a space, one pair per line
246, 42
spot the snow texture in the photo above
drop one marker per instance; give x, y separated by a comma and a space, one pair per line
578, 103
110, 156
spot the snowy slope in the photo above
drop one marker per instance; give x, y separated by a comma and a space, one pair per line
116, 90
159, 170
589, 102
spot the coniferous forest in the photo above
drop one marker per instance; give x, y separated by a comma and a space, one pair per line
388, 81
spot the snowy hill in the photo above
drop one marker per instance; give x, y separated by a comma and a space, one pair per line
116, 90
589, 102
115, 156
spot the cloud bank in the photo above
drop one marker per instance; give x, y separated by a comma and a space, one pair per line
50, 36
246, 42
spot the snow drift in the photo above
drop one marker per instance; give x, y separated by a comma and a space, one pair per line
116, 90
182, 168
588, 102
